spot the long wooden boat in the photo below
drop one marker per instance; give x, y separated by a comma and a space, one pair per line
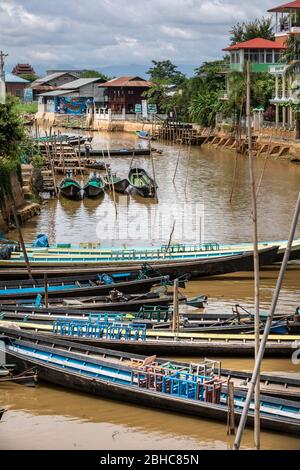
123, 152
40, 314
174, 250
141, 183
179, 344
187, 389
130, 303
191, 268
120, 185
70, 188
94, 187
73, 288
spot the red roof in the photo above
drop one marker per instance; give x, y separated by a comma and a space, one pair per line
127, 81
286, 7
257, 43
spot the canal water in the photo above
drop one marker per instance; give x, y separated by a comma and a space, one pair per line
199, 201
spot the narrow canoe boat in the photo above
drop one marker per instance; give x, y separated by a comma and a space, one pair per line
141, 183
145, 135
125, 152
128, 303
120, 185
165, 342
94, 187
70, 188
200, 301
84, 288
293, 326
183, 388
189, 267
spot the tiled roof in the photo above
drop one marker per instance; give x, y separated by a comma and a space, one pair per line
127, 81
257, 43
286, 7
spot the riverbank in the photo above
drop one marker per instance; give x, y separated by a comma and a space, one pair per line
271, 142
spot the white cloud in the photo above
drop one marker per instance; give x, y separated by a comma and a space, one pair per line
86, 33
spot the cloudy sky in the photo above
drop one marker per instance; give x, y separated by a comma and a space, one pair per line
102, 33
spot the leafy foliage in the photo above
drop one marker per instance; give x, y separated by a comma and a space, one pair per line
12, 132
204, 107
31, 77
94, 74
259, 28
166, 72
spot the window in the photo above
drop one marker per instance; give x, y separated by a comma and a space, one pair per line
261, 56
269, 57
18, 93
277, 56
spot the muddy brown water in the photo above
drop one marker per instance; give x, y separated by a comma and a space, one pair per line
51, 418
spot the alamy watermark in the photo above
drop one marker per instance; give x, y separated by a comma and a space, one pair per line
153, 223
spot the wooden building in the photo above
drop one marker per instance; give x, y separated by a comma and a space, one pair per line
123, 93
15, 85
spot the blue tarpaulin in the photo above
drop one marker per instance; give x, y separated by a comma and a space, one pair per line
41, 241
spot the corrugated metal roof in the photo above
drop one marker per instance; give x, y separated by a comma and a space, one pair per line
79, 83
257, 43
57, 93
52, 76
11, 78
127, 81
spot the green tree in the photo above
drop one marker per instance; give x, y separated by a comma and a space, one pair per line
12, 141
12, 131
29, 76
165, 71
94, 74
259, 28
204, 106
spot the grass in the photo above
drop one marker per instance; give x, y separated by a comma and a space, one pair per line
27, 108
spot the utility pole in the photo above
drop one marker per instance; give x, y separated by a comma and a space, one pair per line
2, 77
255, 258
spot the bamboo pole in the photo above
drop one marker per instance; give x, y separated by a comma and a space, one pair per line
153, 172
112, 183
79, 156
188, 164
255, 259
177, 163
175, 322
268, 325
263, 170
46, 290
171, 236
14, 209
234, 177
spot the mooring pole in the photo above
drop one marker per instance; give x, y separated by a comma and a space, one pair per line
14, 209
268, 325
255, 258
175, 322
46, 289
